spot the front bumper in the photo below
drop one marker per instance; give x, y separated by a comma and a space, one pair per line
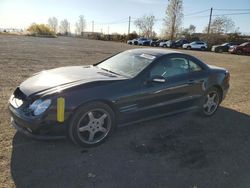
36, 128
27, 132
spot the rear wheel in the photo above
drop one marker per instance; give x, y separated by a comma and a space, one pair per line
220, 50
92, 124
164, 46
211, 102
189, 47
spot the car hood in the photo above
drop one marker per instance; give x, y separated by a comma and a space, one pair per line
65, 77
215, 46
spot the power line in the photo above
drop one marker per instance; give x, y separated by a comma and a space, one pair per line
194, 13
218, 9
231, 14
115, 22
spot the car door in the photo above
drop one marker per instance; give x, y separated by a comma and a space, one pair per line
246, 48
175, 94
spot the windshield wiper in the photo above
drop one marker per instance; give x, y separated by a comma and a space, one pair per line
110, 71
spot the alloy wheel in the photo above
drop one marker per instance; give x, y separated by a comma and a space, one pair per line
211, 102
94, 126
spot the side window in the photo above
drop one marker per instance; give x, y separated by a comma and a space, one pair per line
194, 67
174, 66
170, 67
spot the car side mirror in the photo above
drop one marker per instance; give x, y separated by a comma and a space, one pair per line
158, 79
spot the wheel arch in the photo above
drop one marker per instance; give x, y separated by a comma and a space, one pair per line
107, 102
218, 87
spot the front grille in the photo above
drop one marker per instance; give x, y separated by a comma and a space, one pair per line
19, 94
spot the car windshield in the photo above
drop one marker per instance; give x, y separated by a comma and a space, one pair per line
127, 64
244, 44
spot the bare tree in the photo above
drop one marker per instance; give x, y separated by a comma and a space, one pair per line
80, 25
221, 24
53, 24
174, 16
65, 27
189, 31
145, 25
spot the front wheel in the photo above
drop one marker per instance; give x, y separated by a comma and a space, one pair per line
92, 124
211, 102
239, 52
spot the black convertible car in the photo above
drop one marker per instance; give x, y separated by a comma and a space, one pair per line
86, 103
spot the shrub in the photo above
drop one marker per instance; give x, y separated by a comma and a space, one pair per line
40, 30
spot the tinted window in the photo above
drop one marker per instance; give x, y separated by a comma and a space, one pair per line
170, 67
174, 66
194, 67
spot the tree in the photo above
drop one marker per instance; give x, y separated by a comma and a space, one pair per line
174, 16
53, 24
221, 24
189, 31
80, 25
145, 25
65, 27
40, 29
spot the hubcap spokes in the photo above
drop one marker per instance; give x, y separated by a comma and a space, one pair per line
95, 128
211, 103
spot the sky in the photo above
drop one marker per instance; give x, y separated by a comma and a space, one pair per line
111, 16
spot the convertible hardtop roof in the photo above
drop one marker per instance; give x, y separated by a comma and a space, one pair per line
153, 52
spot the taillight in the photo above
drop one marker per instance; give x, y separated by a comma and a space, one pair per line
227, 77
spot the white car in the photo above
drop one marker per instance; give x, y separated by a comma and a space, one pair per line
198, 45
165, 44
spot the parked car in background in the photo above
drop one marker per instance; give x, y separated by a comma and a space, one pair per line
165, 44
139, 41
223, 47
197, 45
178, 43
143, 41
156, 42
240, 49
132, 41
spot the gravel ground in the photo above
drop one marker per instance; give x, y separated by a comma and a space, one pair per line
180, 151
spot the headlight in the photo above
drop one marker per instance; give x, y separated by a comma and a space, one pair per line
39, 106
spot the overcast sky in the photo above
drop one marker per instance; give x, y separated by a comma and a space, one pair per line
112, 15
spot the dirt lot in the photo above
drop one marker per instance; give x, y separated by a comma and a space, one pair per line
180, 151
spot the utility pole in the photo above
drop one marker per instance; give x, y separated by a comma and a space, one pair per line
129, 20
93, 26
210, 18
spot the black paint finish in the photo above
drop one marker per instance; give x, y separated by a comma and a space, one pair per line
132, 99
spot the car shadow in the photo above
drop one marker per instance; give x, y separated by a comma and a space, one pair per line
179, 151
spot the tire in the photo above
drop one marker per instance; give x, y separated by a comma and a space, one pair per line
220, 50
92, 124
188, 47
239, 52
164, 46
211, 102
203, 48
